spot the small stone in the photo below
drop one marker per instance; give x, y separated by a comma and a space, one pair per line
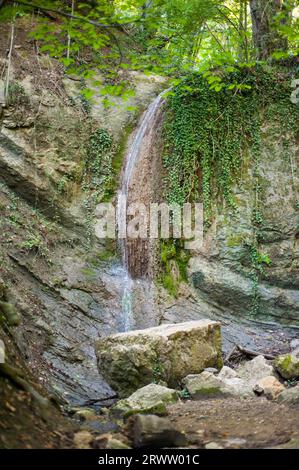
204, 384
213, 446
208, 385
152, 431
294, 344
86, 414
252, 371
290, 396
269, 386
258, 390
108, 441
83, 439
227, 373
288, 365
234, 443
212, 370
151, 399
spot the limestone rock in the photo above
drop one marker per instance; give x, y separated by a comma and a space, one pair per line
269, 386
288, 365
206, 385
151, 399
152, 431
254, 370
290, 396
130, 360
227, 373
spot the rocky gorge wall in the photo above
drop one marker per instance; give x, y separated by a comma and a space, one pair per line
220, 272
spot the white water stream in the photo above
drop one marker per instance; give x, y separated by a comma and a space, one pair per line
132, 157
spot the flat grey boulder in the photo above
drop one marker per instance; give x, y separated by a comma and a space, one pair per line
151, 399
207, 385
166, 354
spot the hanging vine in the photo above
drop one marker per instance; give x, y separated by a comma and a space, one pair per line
207, 133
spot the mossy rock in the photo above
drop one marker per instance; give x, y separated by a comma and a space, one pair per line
151, 399
288, 365
9, 313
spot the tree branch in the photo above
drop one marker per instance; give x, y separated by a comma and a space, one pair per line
69, 15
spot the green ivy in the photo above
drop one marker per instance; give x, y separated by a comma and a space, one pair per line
207, 132
174, 260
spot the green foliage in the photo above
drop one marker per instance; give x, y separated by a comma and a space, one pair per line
208, 132
205, 133
17, 95
185, 395
99, 161
35, 243
174, 261
158, 372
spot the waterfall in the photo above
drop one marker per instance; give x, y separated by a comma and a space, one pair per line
134, 153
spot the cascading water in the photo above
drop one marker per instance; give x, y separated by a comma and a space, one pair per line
132, 157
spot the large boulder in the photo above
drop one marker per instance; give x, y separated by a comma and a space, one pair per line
151, 399
288, 365
166, 353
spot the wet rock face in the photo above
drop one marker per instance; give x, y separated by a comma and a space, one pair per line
165, 353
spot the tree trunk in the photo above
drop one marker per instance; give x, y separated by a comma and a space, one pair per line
266, 37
